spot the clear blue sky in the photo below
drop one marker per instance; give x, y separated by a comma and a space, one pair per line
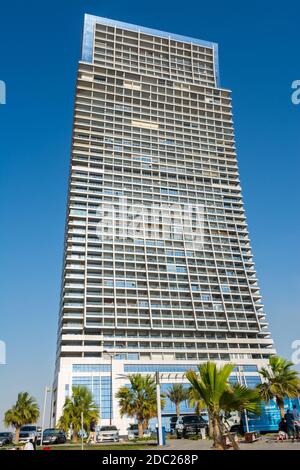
39, 50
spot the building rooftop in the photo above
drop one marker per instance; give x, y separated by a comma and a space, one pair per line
91, 20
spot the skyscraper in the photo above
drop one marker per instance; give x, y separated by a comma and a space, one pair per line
158, 273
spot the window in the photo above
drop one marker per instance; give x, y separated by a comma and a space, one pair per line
144, 124
100, 389
225, 288
91, 368
158, 367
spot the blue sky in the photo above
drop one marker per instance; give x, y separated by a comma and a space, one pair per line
40, 47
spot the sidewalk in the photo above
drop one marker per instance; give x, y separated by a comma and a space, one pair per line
265, 443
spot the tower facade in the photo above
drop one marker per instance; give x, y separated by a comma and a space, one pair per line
158, 272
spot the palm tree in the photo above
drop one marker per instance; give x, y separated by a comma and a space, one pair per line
279, 382
176, 394
211, 385
196, 402
25, 411
139, 400
77, 408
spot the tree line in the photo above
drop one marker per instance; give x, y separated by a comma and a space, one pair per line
209, 388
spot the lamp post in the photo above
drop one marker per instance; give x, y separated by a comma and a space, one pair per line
47, 390
242, 375
81, 416
111, 355
158, 405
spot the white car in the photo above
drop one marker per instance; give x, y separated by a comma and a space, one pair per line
108, 433
133, 432
30, 433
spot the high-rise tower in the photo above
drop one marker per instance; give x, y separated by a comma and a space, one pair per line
158, 271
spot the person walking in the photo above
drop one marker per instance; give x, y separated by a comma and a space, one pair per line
30, 445
92, 434
296, 415
282, 430
289, 419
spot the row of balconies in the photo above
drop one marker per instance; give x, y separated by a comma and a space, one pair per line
164, 336
81, 252
156, 265
170, 109
134, 310
131, 140
165, 281
95, 326
141, 90
92, 141
79, 233
98, 349
147, 48
152, 263
114, 72
184, 76
232, 318
99, 117
181, 171
171, 295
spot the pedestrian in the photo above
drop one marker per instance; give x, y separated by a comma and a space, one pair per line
289, 419
92, 434
30, 445
282, 430
296, 415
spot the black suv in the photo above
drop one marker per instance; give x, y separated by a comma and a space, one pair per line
190, 426
173, 421
53, 436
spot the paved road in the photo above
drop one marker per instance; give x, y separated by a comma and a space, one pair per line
265, 443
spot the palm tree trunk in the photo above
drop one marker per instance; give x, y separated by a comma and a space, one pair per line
280, 404
178, 409
225, 431
145, 423
75, 437
17, 436
217, 436
140, 428
210, 427
232, 440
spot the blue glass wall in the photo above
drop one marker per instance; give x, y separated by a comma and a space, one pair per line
250, 381
170, 407
100, 389
91, 368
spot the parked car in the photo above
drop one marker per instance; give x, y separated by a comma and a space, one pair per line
133, 432
6, 438
190, 425
54, 436
29, 432
204, 415
81, 434
173, 421
108, 433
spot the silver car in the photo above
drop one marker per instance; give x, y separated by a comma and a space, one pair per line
133, 432
108, 433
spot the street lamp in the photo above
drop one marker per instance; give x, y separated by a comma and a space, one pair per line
158, 405
47, 390
241, 375
111, 355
